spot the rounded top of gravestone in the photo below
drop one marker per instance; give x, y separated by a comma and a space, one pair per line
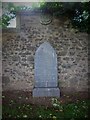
45, 47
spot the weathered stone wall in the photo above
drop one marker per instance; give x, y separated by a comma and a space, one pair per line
19, 49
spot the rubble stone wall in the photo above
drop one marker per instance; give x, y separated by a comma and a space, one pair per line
19, 46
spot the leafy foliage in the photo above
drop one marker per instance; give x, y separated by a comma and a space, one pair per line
51, 6
6, 19
81, 17
78, 12
9, 12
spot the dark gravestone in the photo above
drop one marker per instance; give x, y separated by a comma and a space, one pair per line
46, 83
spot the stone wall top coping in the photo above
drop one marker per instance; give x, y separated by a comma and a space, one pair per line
31, 12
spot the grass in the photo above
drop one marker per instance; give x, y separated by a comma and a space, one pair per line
71, 111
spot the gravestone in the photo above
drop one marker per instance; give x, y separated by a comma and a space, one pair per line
46, 84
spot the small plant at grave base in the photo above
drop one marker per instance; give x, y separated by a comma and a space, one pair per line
57, 104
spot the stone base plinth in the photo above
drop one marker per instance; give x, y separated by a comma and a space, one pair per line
46, 92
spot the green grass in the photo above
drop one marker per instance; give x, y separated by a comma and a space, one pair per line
71, 111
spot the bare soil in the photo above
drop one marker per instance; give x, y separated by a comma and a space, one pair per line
25, 97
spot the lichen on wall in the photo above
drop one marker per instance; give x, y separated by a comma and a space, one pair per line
19, 51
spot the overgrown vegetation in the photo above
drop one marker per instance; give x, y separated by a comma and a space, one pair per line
9, 12
59, 110
78, 12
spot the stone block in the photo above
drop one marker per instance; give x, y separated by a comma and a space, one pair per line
46, 92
